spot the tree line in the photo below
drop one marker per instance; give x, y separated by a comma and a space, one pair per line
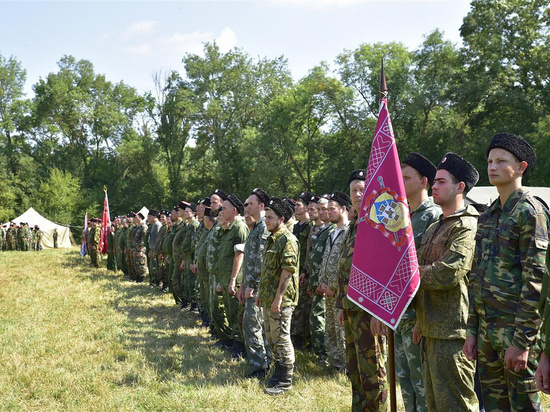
232, 121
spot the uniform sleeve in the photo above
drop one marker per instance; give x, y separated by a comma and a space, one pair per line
473, 318
290, 256
533, 244
454, 264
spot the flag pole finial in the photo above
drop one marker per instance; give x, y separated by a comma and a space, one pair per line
383, 86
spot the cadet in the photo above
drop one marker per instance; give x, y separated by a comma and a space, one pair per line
111, 249
300, 318
55, 237
232, 238
120, 240
278, 292
93, 241
138, 248
255, 340
161, 278
2, 237
365, 353
418, 174
167, 245
338, 207
187, 249
154, 228
317, 315
199, 267
128, 246
177, 253
445, 258
511, 245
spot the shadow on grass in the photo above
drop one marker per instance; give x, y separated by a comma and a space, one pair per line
170, 339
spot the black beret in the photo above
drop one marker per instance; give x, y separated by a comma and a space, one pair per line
176, 208
325, 196
154, 213
421, 165
515, 145
314, 199
205, 201
235, 201
261, 194
358, 174
305, 197
221, 194
460, 168
341, 198
291, 202
281, 208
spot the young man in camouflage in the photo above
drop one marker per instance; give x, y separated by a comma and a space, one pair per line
278, 292
317, 315
365, 353
179, 229
257, 348
511, 245
338, 207
154, 228
139, 257
418, 174
445, 257
187, 249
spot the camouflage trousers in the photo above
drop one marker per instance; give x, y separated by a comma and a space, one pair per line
317, 325
162, 271
217, 310
366, 361
140, 264
408, 367
335, 337
255, 340
277, 331
448, 376
189, 281
152, 264
300, 319
94, 256
121, 261
129, 264
231, 305
503, 389
177, 281
204, 294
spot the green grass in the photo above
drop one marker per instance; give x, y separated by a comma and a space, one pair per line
74, 338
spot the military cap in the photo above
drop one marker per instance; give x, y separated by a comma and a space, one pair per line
421, 165
193, 207
515, 145
281, 208
314, 199
166, 212
358, 174
325, 196
205, 201
183, 204
460, 168
132, 214
305, 197
153, 212
235, 201
291, 202
341, 198
140, 215
261, 194
176, 208
221, 194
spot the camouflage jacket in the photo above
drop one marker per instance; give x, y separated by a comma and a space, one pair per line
129, 237
160, 238
301, 231
188, 239
231, 241
445, 258
281, 252
253, 254
344, 268
331, 256
168, 241
201, 246
212, 246
138, 238
316, 256
313, 233
154, 230
179, 234
510, 263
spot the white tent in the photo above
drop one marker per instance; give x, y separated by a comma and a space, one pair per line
487, 194
32, 217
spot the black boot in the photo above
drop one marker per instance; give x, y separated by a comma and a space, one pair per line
284, 383
275, 377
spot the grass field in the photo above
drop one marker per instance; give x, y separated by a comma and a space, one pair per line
75, 338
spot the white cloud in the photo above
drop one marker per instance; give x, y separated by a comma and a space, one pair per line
180, 44
140, 50
139, 28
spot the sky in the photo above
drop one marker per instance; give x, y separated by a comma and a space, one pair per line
131, 41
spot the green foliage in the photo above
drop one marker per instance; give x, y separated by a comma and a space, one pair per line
58, 197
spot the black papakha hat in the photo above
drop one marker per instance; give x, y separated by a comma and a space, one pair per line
358, 174
204, 201
460, 168
421, 165
166, 212
341, 198
281, 208
314, 199
176, 208
305, 197
515, 145
261, 194
291, 202
153, 212
221, 194
235, 201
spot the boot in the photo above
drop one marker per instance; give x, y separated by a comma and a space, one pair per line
275, 377
284, 383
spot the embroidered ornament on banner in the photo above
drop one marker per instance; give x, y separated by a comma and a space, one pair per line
384, 275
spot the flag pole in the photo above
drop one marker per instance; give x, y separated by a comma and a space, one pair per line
391, 341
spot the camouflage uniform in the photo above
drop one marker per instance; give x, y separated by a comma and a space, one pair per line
218, 321
111, 257
407, 354
365, 353
317, 315
511, 245
2, 238
202, 271
187, 248
167, 244
128, 252
335, 339
300, 318
95, 238
281, 253
161, 277
55, 237
179, 229
254, 336
153, 231
445, 257
231, 241
11, 239
37, 240
139, 258
120, 241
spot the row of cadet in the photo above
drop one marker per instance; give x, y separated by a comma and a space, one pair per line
22, 237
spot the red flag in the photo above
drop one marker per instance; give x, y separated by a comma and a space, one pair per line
105, 225
384, 275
